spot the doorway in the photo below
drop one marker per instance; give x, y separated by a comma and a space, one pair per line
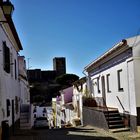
13, 117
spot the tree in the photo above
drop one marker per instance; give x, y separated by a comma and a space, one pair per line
38, 98
66, 80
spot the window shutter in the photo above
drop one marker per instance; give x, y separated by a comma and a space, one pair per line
6, 54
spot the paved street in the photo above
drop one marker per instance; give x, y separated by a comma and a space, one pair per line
60, 134
81, 133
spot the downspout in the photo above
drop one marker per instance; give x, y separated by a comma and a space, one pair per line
90, 89
89, 83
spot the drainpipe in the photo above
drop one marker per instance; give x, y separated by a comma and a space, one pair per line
89, 85
89, 82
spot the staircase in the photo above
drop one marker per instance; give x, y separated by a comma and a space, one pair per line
114, 120
25, 118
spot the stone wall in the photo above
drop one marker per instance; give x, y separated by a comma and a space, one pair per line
94, 117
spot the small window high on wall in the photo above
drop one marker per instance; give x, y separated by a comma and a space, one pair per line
6, 58
119, 75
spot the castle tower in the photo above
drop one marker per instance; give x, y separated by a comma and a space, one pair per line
59, 65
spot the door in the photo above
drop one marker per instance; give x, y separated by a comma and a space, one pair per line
13, 116
103, 90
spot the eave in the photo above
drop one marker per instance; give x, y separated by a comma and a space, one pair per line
15, 34
101, 59
10, 30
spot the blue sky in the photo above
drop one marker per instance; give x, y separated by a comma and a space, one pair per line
80, 30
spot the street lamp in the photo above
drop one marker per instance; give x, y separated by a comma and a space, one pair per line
7, 8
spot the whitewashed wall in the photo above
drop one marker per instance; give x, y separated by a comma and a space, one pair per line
9, 87
137, 80
24, 86
77, 97
136, 59
130, 80
58, 115
24, 92
111, 98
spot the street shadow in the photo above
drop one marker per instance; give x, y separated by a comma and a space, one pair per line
76, 134
61, 134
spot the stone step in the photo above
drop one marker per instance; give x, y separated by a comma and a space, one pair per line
25, 127
119, 130
24, 114
116, 126
111, 111
112, 114
24, 124
24, 120
111, 118
115, 122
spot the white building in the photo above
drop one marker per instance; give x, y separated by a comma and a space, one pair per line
79, 92
64, 108
115, 78
10, 45
58, 112
24, 85
69, 105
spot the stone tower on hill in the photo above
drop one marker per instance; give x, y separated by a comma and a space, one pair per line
59, 65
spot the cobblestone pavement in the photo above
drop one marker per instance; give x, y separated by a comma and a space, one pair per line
80, 133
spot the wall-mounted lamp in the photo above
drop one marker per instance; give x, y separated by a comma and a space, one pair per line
7, 8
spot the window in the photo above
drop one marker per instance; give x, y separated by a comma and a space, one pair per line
108, 82
6, 58
8, 107
119, 75
11, 61
16, 105
98, 85
15, 69
34, 115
